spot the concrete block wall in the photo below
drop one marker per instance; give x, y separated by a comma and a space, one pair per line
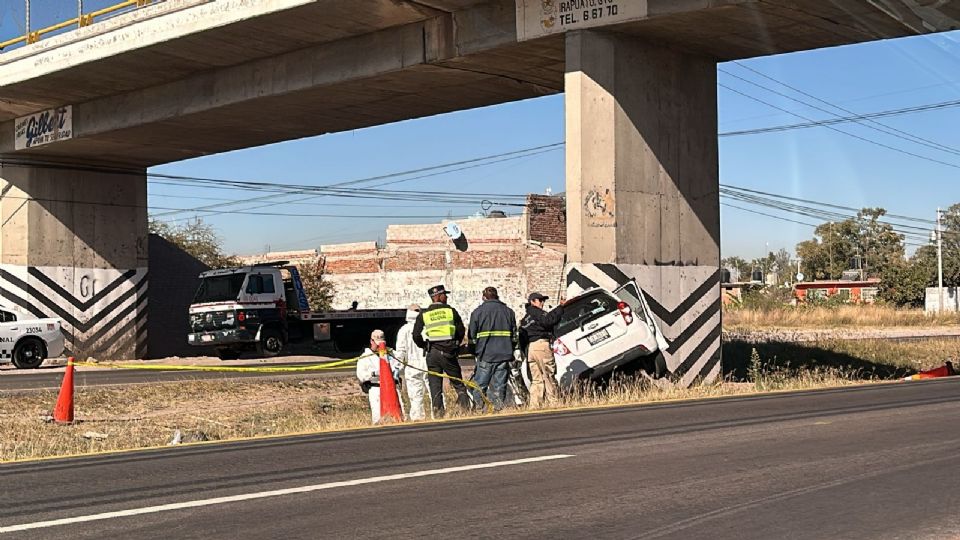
498, 253
174, 279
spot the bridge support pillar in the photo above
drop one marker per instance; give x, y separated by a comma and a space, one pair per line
73, 245
642, 186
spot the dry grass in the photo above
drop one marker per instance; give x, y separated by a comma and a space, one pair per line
147, 416
866, 359
835, 317
139, 417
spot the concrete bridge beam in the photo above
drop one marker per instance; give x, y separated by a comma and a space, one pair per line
73, 245
642, 185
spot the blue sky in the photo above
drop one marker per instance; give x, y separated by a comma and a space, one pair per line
815, 163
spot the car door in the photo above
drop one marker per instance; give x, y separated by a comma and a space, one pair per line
631, 293
260, 287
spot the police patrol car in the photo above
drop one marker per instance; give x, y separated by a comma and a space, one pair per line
26, 340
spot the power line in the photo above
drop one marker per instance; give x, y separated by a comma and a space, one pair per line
338, 204
815, 213
842, 119
827, 215
240, 212
861, 98
434, 170
811, 212
868, 123
781, 218
366, 188
766, 193
847, 133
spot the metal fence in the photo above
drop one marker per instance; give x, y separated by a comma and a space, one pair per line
82, 19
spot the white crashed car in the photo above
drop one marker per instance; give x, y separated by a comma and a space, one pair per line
27, 341
601, 331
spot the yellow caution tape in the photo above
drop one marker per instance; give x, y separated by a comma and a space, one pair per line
232, 369
488, 406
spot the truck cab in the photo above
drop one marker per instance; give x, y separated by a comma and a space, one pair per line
238, 309
264, 307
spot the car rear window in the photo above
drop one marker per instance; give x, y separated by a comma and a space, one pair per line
578, 312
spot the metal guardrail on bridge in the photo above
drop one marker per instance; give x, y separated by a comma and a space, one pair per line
82, 19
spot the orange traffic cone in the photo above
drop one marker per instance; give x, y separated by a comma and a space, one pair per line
945, 370
389, 400
63, 412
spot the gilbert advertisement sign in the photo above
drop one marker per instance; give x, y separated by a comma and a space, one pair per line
538, 18
43, 127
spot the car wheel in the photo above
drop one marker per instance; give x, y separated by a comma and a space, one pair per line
271, 342
660, 369
228, 354
29, 353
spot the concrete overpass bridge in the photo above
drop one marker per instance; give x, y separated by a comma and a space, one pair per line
84, 113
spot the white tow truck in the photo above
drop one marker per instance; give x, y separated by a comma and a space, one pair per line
264, 308
27, 341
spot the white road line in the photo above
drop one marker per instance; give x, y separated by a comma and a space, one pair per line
274, 493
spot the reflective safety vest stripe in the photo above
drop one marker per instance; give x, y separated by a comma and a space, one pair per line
494, 333
438, 325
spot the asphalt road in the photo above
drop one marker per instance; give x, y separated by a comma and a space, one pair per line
870, 462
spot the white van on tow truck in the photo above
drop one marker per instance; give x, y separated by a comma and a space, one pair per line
27, 341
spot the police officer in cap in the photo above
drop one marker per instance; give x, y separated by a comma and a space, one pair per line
536, 329
440, 331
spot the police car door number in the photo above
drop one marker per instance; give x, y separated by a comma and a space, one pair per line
34, 330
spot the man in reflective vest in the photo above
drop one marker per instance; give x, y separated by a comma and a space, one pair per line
493, 332
439, 329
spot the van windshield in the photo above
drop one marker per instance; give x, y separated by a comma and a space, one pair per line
585, 309
219, 288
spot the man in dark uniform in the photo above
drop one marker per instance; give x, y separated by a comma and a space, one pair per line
493, 333
440, 331
536, 328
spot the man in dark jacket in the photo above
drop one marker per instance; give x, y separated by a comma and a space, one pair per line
493, 332
440, 331
537, 329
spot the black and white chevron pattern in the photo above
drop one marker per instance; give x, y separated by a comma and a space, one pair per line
691, 325
104, 312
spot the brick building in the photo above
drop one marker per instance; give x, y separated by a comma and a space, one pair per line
855, 292
516, 254
298, 257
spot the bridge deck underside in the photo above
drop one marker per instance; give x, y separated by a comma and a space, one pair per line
487, 67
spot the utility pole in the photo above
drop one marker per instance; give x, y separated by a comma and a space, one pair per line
939, 261
830, 251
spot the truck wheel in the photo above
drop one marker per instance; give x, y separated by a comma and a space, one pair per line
271, 342
29, 353
228, 354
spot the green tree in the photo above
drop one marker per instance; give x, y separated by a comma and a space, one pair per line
741, 266
319, 290
879, 245
904, 284
863, 241
197, 238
